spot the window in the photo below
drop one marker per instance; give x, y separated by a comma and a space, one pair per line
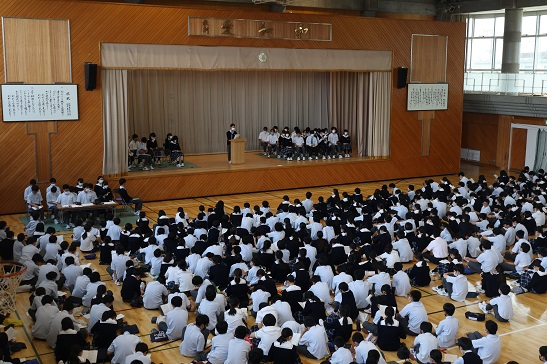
485, 42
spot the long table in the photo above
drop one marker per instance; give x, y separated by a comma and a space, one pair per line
107, 206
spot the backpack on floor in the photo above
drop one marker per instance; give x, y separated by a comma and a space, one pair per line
475, 316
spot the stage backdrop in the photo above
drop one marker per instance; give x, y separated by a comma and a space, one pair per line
198, 107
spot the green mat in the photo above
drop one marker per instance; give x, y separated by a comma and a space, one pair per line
125, 217
166, 166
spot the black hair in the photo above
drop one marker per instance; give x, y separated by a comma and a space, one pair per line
449, 308
491, 327
241, 332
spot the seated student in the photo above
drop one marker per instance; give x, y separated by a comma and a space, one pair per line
468, 356
122, 346
387, 298
105, 330
535, 279
268, 334
154, 294
235, 316
378, 280
424, 343
280, 269
314, 341
219, 344
140, 355
194, 338
447, 329
419, 273
454, 284
36, 302
390, 257
50, 285
175, 320
34, 202
501, 305
210, 307
313, 307
522, 259
66, 339
238, 347
143, 155
437, 357
132, 286
339, 324
401, 281
413, 314
487, 347
402, 245
44, 315
364, 348
341, 355
127, 198
97, 310
389, 331
282, 350
175, 154
89, 242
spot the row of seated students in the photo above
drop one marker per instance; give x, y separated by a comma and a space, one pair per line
336, 259
304, 145
146, 152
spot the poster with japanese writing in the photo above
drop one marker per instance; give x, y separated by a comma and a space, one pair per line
427, 96
21, 102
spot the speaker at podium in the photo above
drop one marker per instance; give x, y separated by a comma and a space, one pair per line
237, 146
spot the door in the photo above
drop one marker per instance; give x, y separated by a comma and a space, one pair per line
517, 154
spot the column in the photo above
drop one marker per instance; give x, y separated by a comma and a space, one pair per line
510, 62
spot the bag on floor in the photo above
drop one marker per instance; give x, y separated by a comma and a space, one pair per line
475, 316
403, 352
156, 337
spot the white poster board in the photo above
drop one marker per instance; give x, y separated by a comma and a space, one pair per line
427, 96
52, 102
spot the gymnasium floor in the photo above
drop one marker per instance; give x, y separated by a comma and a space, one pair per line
521, 338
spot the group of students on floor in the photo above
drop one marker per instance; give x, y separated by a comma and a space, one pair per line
307, 144
308, 273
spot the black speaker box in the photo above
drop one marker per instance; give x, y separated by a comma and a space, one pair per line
90, 70
402, 73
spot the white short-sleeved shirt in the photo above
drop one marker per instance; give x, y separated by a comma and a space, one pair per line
284, 312
176, 320
212, 310
267, 336
427, 343
238, 351
379, 280
258, 297
438, 247
447, 331
459, 287
488, 260
505, 306
362, 350
153, 295
489, 348
144, 359
193, 341
265, 311
315, 339
401, 283
360, 291
122, 347
219, 348
236, 319
404, 249
416, 315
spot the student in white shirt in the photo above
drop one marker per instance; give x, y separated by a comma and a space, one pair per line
502, 305
413, 314
363, 348
341, 355
360, 288
238, 348
391, 256
466, 348
487, 347
424, 343
448, 328
283, 309
454, 284
487, 261
219, 344
402, 246
96, 312
175, 320
141, 351
401, 281
235, 316
194, 338
380, 279
314, 341
322, 291
258, 296
44, 316
122, 346
210, 307
154, 294
268, 334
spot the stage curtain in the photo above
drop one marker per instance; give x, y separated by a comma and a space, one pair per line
198, 107
379, 114
360, 102
115, 118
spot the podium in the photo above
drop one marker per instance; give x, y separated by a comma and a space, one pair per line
238, 150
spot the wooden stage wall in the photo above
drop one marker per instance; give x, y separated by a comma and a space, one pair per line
77, 147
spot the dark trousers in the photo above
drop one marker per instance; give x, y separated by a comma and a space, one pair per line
429, 256
496, 313
303, 349
229, 152
137, 202
474, 336
404, 321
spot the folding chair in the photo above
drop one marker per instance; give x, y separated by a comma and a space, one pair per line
118, 198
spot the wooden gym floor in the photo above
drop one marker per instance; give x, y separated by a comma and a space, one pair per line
521, 337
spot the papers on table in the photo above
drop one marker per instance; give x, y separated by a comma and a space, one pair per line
87, 204
90, 355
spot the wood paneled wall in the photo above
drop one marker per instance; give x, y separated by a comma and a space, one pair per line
77, 147
491, 135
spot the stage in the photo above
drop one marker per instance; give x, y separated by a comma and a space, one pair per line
213, 175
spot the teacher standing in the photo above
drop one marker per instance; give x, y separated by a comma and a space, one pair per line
230, 134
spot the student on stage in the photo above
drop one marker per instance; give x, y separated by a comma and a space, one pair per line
263, 140
345, 142
273, 141
133, 147
312, 142
298, 142
175, 151
333, 144
152, 146
143, 155
230, 134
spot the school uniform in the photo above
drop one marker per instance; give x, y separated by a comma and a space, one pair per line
55, 327
379, 280
122, 347
235, 320
211, 309
362, 350
446, 331
503, 307
258, 297
459, 287
284, 312
314, 342
401, 284
426, 342
267, 335
44, 316
405, 251
322, 291
283, 353
414, 314
144, 359
469, 357
90, 292
293, 295
268, 310
488, 348
360, 291
341, 355
104, 333
96, 314
238, 351
219, 348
